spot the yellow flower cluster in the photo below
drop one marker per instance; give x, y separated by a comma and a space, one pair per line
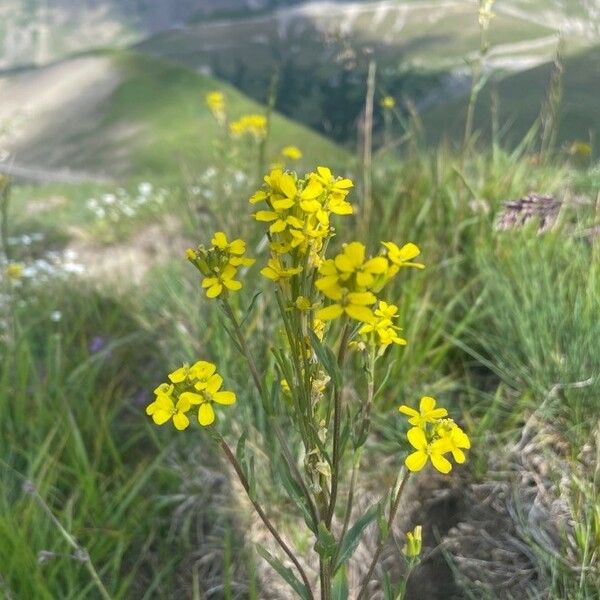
219, 264
433, 435
352, 281
381, 329
216, 104
254, 125
193, 386
291, 152
298, 210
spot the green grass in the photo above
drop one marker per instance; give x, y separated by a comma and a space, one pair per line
520, 98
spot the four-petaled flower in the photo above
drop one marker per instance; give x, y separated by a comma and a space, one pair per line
425, 451
427, 412
216, 285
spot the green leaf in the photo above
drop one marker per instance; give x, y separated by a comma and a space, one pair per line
352, 537
285, 572
325, 544
240, 452
327, 359
296, 493
339, 585
382, 523
250, 308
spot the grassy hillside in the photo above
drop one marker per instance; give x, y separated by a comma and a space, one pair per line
121, 114
520, 97
420, 48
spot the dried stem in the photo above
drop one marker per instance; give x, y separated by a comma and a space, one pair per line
261, 513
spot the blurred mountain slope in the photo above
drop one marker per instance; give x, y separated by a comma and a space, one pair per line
120, 114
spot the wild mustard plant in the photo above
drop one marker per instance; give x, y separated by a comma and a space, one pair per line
329, 305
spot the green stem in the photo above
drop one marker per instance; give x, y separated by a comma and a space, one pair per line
278, 433
381, 544
337, 421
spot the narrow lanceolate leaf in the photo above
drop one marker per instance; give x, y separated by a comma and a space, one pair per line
339, 587
240, 452
296, 494
327, 359
285, 572
352, 537
325, 544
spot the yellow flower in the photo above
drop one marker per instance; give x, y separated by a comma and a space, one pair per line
164, 409
401, 257
209, 393
216, 104
292, 152
255, 125
181, 374
337, 190
427, 412
382, 325
201, 371
455, 439
388, 102
353, 304
425, 451
216, 285
276, 271
236, 249
414, 542
14, 270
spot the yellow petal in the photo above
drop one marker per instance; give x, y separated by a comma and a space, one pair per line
333, 311
416, 437
214, 290
232, 284
408, 252
441, 463
458, 455
179, 375
180, 421
237, 247
407, 410
359, 313
278, 226
219, 240
160, 417
224, 397
362, 298
214, 383
266, 215
426, 404
202, 369
191, 398
376, 265
206, 414
416, 461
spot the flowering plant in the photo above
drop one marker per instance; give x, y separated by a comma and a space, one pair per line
328, 306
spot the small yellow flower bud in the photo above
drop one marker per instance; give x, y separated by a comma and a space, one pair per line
414, 542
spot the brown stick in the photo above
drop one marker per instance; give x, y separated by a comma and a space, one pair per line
261, 513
